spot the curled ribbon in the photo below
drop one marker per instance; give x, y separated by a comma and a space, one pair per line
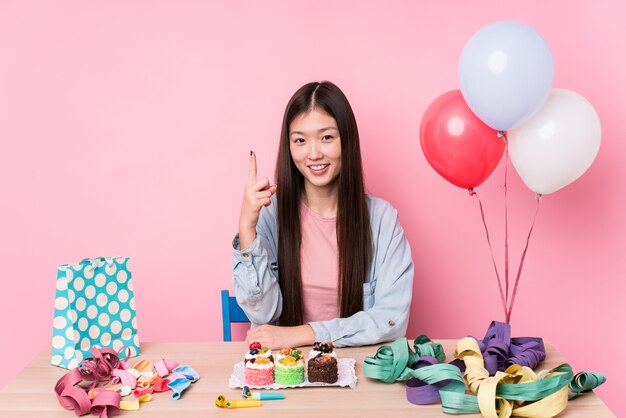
91, 370
99, 367
77, 390
515, 391
391, 364
498, 395
584, 382
500, 350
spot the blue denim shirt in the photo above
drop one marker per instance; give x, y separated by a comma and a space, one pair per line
387, 290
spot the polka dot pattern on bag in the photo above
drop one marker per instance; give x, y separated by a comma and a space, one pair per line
94, 306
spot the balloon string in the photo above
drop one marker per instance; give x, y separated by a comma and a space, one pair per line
506, 219
521, 263
482, 214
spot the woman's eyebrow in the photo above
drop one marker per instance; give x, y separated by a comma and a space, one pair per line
319, 130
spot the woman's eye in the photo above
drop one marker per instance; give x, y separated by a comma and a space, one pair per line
327, 137
299, 140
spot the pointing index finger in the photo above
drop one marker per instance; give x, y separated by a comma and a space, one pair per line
252, 170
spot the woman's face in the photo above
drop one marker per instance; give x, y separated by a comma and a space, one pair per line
316, 148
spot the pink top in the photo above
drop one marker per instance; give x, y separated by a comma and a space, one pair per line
319, 266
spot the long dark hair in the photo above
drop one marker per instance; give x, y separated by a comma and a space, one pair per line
354, 236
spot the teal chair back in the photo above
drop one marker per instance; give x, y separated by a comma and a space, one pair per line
231, 312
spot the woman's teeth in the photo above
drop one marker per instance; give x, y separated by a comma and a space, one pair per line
319, 167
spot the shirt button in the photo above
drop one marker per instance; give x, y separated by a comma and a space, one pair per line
391, 323
246, 255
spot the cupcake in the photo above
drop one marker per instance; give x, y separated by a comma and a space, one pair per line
322, 363
259, 366
289, 368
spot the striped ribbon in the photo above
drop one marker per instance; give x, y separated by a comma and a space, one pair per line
516, 391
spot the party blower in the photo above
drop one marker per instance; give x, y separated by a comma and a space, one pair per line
260, 396
222, 402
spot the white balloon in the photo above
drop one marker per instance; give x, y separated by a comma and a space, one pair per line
558, 144
506, 72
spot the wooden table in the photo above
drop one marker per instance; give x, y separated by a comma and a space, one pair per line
31, 393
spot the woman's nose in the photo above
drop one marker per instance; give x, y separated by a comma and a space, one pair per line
314, 152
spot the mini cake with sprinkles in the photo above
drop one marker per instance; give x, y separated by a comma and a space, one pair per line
259, 366
289, 368
322, 363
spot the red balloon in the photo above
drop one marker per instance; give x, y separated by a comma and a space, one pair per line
458, 145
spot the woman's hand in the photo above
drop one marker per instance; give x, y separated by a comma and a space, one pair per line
280, 337
256, 195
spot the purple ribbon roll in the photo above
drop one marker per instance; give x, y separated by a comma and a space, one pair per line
500, 350
420, 392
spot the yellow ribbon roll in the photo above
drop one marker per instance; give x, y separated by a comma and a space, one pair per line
486, 387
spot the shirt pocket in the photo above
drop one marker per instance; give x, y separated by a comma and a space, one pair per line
368, 295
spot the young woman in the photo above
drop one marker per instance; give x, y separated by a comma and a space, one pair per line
315, 255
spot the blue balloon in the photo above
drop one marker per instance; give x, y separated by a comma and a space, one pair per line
506, 71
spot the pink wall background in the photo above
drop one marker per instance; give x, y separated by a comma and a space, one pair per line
125, 129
